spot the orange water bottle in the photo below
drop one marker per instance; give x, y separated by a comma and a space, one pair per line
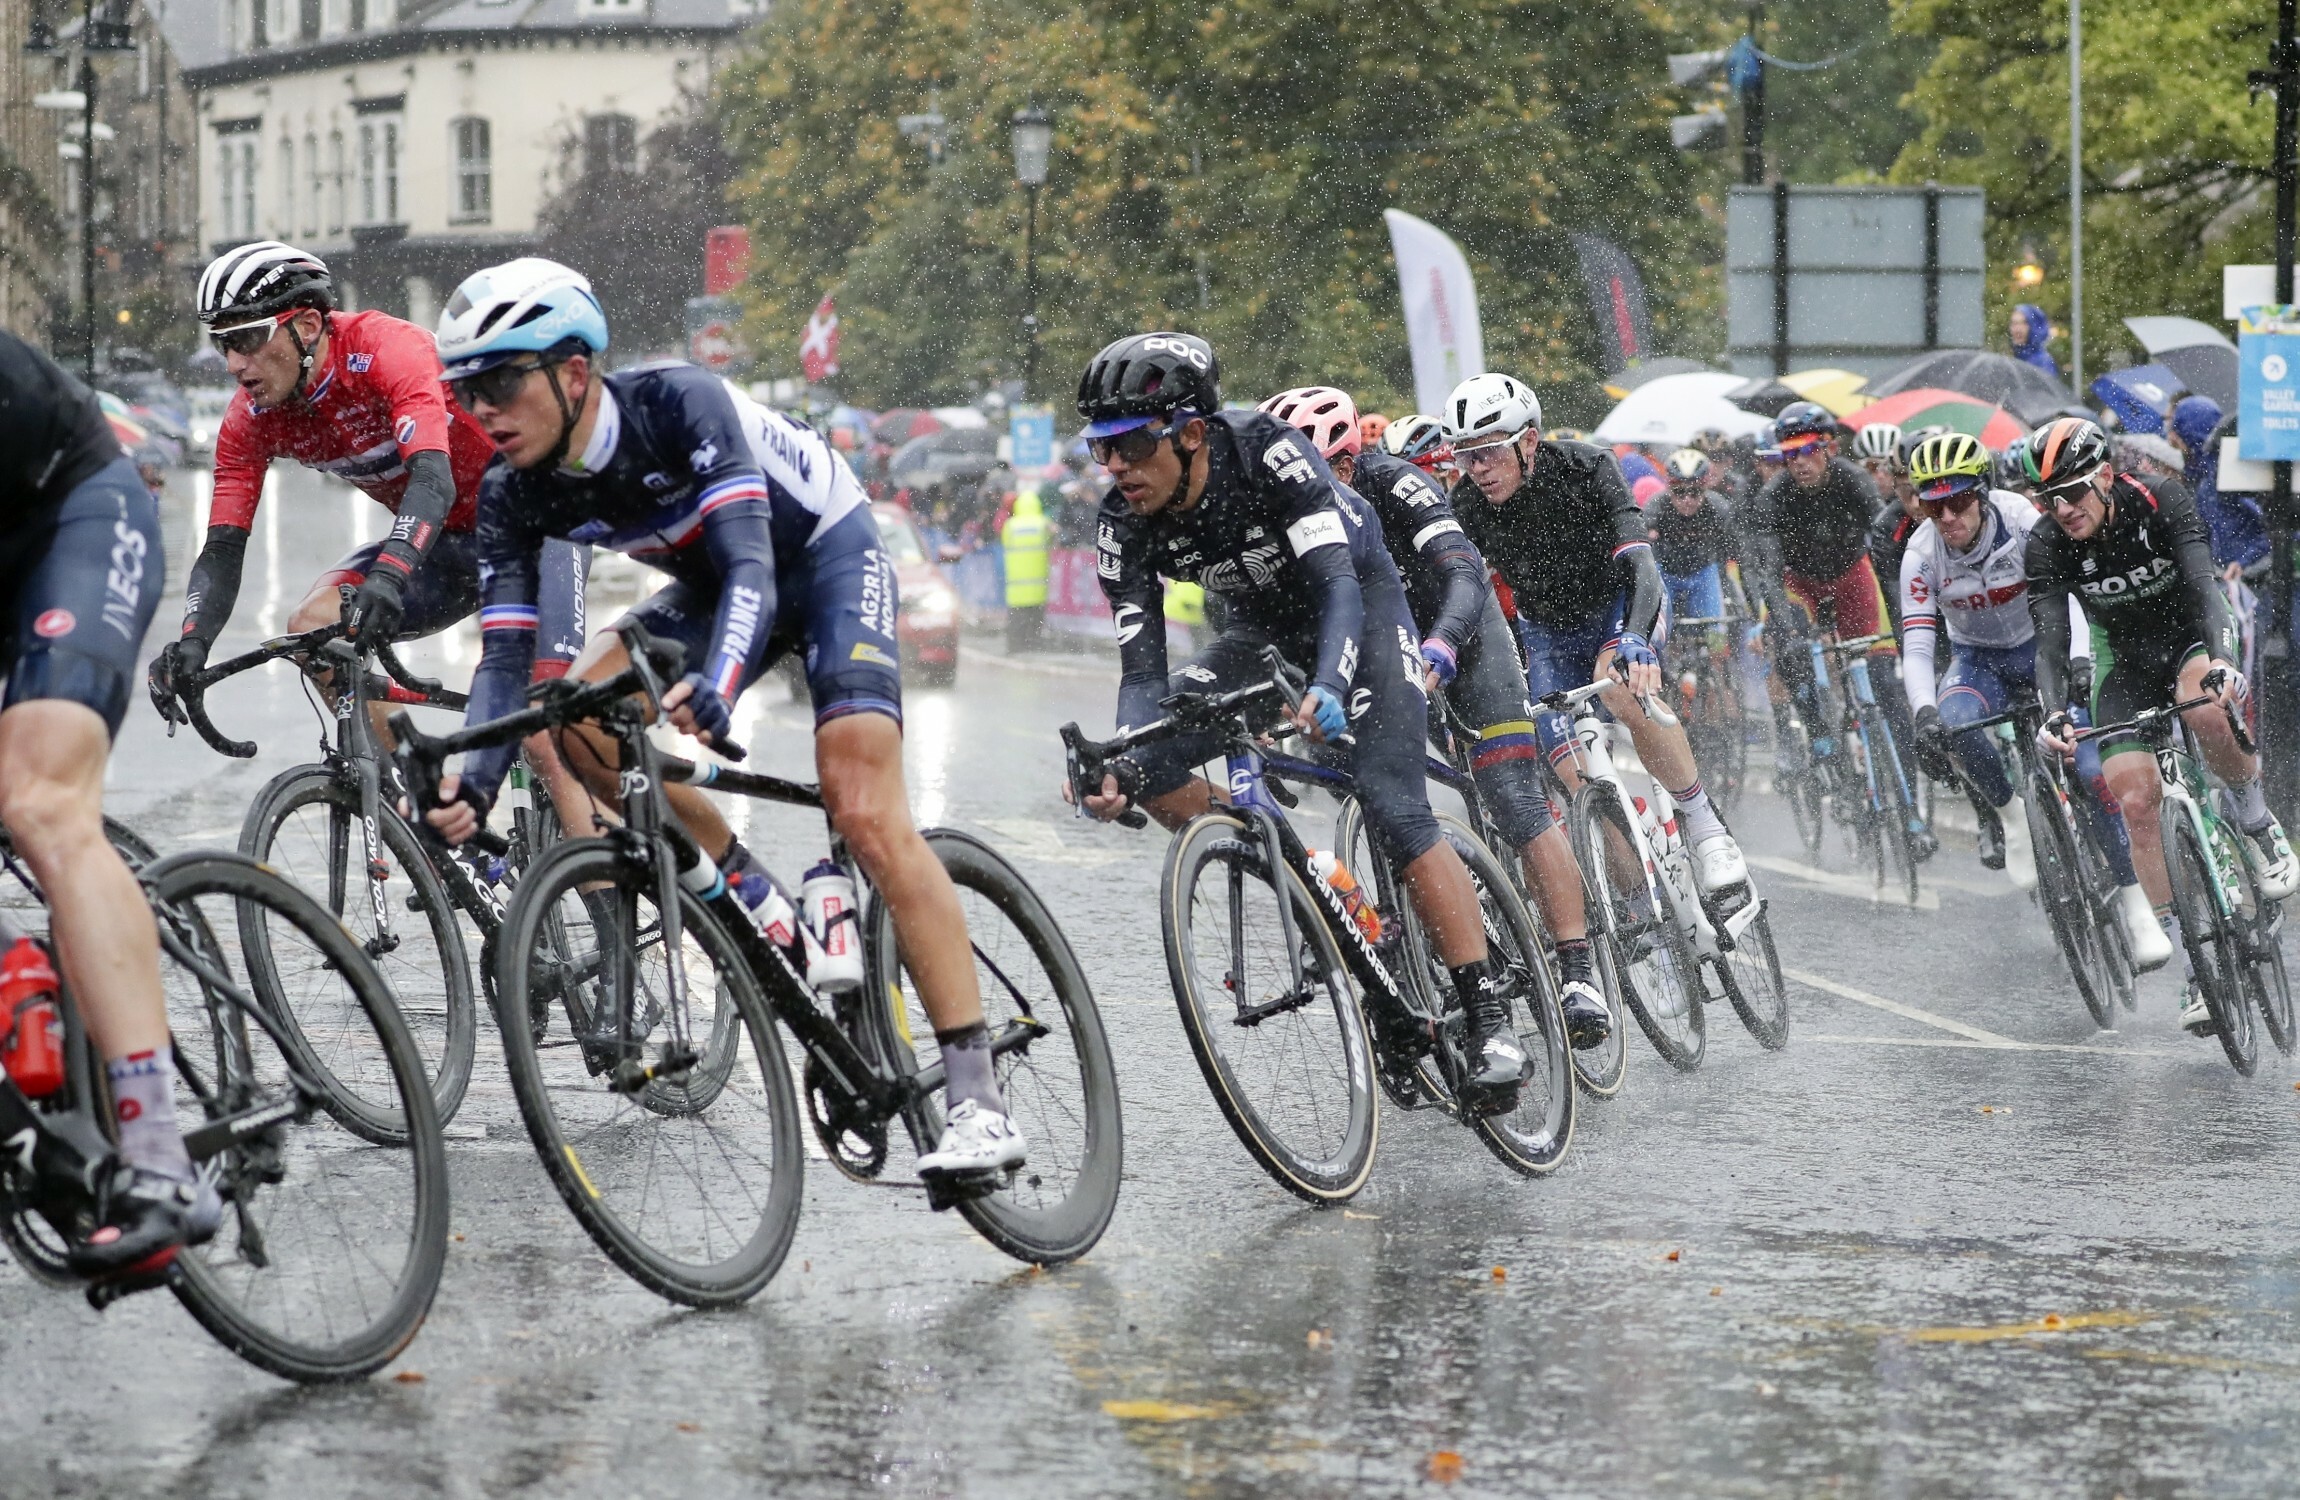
33, 1048
1330, 869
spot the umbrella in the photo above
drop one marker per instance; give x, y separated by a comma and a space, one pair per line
1763, 395
1841, 391
2158, 335
954, 453
131, 433
2199, 355
899, 426
1673, 409
2140, 395
1995, 427
1646, 371
1995, 379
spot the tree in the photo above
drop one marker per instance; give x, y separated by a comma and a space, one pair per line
2176, 158
1224, 171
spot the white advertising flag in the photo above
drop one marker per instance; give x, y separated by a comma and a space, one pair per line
1441, 308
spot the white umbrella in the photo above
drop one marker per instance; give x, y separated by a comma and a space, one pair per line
1669, 411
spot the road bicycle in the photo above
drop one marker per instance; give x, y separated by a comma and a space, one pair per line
1262, 950
335, 1193
1709, 701
333, 827
1850, 763
2232, 931
2074, 884
643, 1023
1674, 948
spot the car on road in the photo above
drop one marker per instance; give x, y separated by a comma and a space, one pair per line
927, 624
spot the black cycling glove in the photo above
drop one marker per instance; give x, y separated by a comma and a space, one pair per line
178, 662
380, 606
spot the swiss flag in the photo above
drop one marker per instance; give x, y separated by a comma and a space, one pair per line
819, 350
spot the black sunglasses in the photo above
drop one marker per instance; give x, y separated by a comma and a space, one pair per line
494, 387
1955, 504
1134, 445
248, 337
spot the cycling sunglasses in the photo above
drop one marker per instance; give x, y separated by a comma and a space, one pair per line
1133, 446
246, 338
493, 387
1955, 503
2072, 494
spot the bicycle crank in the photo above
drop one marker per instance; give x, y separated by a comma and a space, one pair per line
854, 1140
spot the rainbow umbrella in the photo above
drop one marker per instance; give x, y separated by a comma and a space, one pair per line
131, 433
1930, 407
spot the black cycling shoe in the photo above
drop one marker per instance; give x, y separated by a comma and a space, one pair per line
1924, 845
1497, 1063
1991, 839
1587, 1022
146, 1219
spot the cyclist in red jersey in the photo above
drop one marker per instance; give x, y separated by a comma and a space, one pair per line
355, 395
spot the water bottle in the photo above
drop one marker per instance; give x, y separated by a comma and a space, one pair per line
33, 1048
517, 797
834, 960
1342, 883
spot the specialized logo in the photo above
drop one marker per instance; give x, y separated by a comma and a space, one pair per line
359, 364
1287, 461
53, 623
1128, 620
404, 430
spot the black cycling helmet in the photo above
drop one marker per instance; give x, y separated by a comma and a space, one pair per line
1909, 441
1145, 376
1803, 419
2064, 452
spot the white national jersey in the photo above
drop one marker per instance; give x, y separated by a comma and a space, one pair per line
1980, 595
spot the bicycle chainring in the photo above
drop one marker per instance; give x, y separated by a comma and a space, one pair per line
855, 1142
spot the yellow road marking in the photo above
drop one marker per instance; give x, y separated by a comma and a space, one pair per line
2049, 1323
1161, 1411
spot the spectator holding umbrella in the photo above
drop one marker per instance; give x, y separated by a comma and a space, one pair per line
2030, 329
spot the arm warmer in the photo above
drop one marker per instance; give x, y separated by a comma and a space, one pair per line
214, 586
2048, 610
423, 509
499, 687
1463, 602
1341, 611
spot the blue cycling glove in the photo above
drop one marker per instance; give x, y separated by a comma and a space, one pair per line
710, 710
1327, 710
1441, 659
1635, 651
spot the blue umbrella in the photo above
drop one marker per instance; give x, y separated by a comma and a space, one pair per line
2140, 395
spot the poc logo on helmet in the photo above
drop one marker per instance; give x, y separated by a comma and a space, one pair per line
1196, 357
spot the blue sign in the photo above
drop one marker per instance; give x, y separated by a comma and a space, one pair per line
1031, 429
2268, 385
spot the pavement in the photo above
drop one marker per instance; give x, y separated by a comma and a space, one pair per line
1954, 1240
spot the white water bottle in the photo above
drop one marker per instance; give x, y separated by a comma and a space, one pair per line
834, 958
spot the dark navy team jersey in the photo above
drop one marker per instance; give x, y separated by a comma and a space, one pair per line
53, 433
1683, 544
683, 473
1274, 535
1819, 533
1569, 541
1445, 579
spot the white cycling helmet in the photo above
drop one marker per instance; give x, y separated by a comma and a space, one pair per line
251, 282
524, 306
1489, 407
1878, 442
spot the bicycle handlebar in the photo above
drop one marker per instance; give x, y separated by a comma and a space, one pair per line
399, 686
1087, 761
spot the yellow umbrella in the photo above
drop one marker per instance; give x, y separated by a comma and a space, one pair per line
1838, 390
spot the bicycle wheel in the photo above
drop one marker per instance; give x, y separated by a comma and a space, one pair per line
1275, 1026
691, 1184
1660, 982
2211, 940
1752, 974
306, 825
1060, 1085
1800, 787
2260, 938
1893, 781
332, 1242
2060, 889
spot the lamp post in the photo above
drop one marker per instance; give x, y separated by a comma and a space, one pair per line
1033, 144
105, 33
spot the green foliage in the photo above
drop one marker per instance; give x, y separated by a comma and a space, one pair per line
1223, 170
2175, 157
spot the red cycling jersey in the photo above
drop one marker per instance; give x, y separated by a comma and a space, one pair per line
376, 400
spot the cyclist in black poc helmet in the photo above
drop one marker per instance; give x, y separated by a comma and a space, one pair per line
1243, 504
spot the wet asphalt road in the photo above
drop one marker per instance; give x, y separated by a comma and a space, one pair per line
1952, 1241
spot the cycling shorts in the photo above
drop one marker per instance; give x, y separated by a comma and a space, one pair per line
445, 589
1983, 682
1389, 717
1489, 693
1698, 595
1558, 660
77, 595
835, 602
1851, 600
2141, 674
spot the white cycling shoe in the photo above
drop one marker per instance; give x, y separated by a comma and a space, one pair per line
975, 1140
2269, 854
2143, 934
2020, 855
2196, 1016
1717, 863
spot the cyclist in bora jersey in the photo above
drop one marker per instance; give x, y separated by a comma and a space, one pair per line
79, 582
2142, 565
1467, 654
770, 545
1242, 504
355, 395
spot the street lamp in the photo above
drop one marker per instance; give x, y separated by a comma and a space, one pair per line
1033, 143
99, 32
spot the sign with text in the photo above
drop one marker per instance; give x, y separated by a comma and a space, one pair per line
2268, 384
1032, 430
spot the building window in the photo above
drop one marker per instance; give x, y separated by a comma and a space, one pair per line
227, 189
248, 186
335, 175
315, 183
259, 25
610, 144
286, 216
379, 172
474, 171
307, 20
359, 15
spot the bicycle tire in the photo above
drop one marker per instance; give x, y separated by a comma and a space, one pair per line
1405, 949
2264, 975
1321, 1173
1533, 1138
739, 1113
246, 1288
1800, 788
2210, 940
1751, 971
1900, 810
430, 978
1083, 1158
1649, 952
2068, 910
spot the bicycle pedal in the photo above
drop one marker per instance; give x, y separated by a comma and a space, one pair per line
947, 1190
160, 1271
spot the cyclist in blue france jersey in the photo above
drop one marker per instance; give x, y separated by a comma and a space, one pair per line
1556, 521
771, 549
1242, 504
1468, 654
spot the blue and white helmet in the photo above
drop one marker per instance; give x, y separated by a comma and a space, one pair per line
524, 306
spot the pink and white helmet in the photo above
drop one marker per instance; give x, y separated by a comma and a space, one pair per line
1329, 416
